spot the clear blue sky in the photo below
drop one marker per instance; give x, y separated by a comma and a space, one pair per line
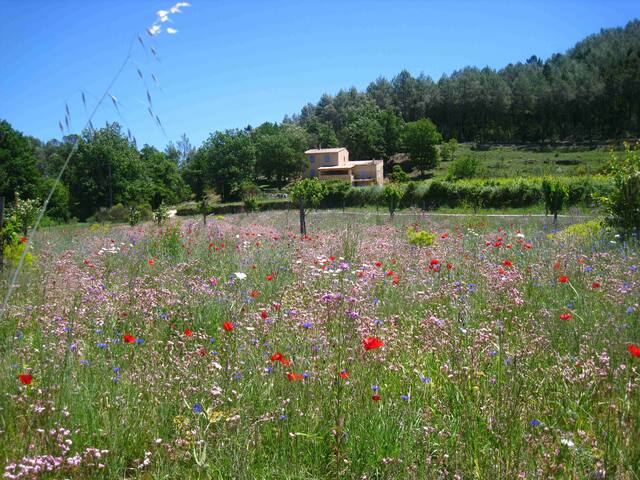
241, 62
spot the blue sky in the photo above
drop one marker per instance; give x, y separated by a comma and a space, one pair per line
243, 62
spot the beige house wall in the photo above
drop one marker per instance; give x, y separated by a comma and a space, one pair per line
356, 173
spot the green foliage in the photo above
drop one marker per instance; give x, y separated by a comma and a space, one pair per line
12, 252
18, 170
448, 150
308, 193
336, 193
393, 193
280, 151
26, 213
623, 203
398, 175
555, 194
420, 238
463, 167
161, 214
580, 231
420, 139
134, 216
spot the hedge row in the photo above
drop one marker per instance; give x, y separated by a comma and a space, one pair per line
234, 207
479, 193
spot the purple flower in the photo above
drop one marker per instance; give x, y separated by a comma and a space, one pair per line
197, 408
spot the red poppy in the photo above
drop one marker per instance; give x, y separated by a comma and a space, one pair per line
378, 264
371, 343
502, 271
332, 258
202, 352
359, 274
25, 378
228, 326
507, 263
264, 314
254, 294
151, 261
556, 266
565, 316
375, 398
277, 357
634, 350
445, 235
449, 266
24, 239
434, 261
396, 279
188, 332
595, 285
389, 273
344, 374
563, 279
269, 278
294, 376
129, 338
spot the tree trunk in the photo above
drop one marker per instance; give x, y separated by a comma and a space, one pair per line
555, 220
303, 222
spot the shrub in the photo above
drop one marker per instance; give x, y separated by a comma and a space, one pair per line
623, 202
580, 231
250, 204
555, 194
420, 238
118, 214
463, 167
398, 175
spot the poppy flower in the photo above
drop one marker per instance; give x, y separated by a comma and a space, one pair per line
375, 397
277, 357
25, 378
264, 314
151, 261
188, 332
359, 274
563, 279
228, 326
445, 235
294, 376
634, 350
254, 294
565, 316
24, 239
129, 338
344, 374
595, 285
332, 258
371, 343
556, 266
449, 266
396, 279
434, 261
378, 264
269, 278
507, 263
389, 273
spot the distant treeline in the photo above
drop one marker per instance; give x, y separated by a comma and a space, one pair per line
590, 92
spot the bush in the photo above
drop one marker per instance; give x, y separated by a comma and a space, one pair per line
118, 214
250, 204
623, 202
393, 193
398, 175
420, 238
463, 167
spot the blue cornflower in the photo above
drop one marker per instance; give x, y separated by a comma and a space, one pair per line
116, 369
404, 397
535, 422
307, 325
139, 341
283, 417
84, 362
268, 369
212, 340
102, 345
197, 408
375, 388
424, 379
630, 310
67, 329
306, 375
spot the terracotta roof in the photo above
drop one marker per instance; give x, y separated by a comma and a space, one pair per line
324, 150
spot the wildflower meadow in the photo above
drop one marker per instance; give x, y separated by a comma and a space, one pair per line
493, 348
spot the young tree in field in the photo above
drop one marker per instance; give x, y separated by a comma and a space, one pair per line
555, 195
448, 150
420, 139
307, 193
623, 204
393, 193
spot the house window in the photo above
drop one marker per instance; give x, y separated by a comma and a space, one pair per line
327, 159
312, 158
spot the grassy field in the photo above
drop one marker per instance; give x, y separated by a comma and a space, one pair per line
238, 350
525, 161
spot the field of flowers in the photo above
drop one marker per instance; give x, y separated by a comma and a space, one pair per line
241, 351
